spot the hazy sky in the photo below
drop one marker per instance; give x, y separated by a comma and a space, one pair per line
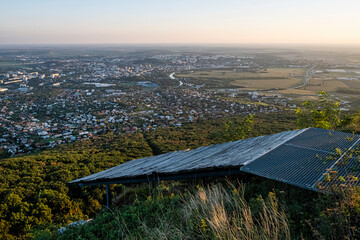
180, 21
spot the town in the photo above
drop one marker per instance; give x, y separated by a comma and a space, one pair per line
48, 101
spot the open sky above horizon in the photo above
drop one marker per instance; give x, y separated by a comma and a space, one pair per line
180, 21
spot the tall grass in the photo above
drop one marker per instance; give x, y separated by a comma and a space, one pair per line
226, 215
214, 212
223, 212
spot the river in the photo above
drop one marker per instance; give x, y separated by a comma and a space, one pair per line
171, 76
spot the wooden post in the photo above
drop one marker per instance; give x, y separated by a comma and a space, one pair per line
107, 196
153, 181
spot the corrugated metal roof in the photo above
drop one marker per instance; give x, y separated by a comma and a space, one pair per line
305, 159
225, 155
300, 157
345, 171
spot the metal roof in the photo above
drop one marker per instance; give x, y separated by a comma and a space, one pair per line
305, 159
300, 157
225, 155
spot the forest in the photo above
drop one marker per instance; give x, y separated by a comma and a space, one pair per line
36, 199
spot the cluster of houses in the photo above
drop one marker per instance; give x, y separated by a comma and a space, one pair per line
82, 98
80, 114
19, 81
193, 61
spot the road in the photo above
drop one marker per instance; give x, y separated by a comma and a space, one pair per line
306, 78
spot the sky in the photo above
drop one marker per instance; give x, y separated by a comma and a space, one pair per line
180, 22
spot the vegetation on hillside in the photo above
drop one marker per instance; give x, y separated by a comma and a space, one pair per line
324, 113
34, 189
215, 212
36, 199
258, 209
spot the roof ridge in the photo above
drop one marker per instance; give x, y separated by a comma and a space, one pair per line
300, 132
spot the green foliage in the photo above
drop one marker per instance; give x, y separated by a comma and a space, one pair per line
351, 123
215, 212
228, 211
324, 113
233, 132
340, 217
34, 190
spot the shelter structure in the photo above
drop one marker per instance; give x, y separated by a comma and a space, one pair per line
309, 158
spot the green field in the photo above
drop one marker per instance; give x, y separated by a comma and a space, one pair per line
6, 66
11, 64
273, 78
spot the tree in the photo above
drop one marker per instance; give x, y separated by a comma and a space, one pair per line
234, 132
324, 113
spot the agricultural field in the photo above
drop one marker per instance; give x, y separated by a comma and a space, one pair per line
299, 95
337, 80
270, 79
11, 64
317, 85
338, 73
344, 84
341, 84
353, 58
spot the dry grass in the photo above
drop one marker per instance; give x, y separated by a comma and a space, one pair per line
215, 212
229, 216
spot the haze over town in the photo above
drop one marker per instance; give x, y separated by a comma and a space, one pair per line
180, 22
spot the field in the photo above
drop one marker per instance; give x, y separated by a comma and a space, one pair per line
282, 80
11, 65
274, 78
317, 85
346, 90
353, 58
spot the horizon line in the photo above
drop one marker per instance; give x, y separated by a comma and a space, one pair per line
183, 44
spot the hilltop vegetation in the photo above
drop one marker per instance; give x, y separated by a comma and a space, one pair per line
36, 199
34, 189
259, 209
34, 193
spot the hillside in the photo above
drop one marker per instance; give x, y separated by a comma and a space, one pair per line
34, 193
223, 210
